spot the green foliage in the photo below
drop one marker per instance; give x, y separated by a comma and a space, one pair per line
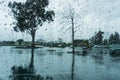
20, 41
31, 14
92, 41
23, 73
97, 39
114, 38
105, 42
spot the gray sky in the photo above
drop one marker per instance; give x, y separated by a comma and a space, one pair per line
93, 15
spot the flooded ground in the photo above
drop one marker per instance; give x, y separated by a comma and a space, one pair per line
56, 62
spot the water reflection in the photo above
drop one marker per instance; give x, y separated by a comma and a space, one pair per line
60, 54
59, 64
19, 51
40, 53
98, 58
26, 72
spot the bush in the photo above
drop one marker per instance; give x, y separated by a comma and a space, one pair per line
24, 73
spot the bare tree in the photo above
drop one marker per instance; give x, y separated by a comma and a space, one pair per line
71, 20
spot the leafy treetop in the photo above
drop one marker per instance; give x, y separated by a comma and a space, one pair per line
31, 14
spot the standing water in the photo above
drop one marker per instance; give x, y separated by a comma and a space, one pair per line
56, 62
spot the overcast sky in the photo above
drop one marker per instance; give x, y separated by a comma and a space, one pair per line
93, 15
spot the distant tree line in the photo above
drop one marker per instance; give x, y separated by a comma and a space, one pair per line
98, 39
114, 38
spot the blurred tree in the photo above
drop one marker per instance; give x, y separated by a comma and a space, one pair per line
114, 38
111, 39
72, 20
98, 38
29, 16
105, 41
22, 73
92, 41
20, 41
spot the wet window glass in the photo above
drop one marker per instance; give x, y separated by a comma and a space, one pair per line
59, 40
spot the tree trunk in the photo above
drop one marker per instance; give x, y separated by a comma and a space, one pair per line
73, 49
33, 46
31, 66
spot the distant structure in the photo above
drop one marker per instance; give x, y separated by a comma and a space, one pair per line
81, 43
